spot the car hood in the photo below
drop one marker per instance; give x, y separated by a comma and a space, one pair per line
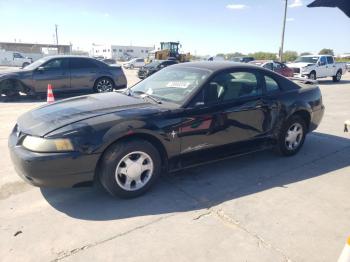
45, 119
299, 65
16, 72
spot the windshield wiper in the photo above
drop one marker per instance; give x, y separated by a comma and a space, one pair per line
144, 95
151, 97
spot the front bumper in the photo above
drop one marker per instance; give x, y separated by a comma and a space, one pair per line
301, 75
52, 169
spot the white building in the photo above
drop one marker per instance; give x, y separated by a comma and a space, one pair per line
120, 52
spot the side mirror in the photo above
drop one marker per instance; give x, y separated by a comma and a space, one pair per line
199, 104
40, 69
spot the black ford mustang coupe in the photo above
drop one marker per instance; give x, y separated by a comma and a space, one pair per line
184, 115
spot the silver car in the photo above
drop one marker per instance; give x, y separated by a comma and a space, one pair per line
65, 74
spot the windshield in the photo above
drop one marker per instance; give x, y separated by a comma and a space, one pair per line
172, 84
37, 63
307, 59
153, 64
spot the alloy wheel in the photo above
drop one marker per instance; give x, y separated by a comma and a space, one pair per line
104, 85
294, 136
134, 171
338, 76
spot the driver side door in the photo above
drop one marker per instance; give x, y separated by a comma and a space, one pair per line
322, 69
229, 110
54, 72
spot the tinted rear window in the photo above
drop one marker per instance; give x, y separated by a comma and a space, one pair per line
78, 63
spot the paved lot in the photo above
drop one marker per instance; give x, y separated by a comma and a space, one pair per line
259, 207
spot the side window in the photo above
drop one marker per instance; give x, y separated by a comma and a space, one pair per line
55, 64
323, 60
232, 86
271, 85
277, 66
268, 66
330, 60
140, 60
17, 55
80, 63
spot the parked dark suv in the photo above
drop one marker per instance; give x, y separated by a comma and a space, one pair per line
65, 74
153, 67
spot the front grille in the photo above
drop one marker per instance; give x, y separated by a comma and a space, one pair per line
296, 70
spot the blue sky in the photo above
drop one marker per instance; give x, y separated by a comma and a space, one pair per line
203, 27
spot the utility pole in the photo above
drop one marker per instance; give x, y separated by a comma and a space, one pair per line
283, 30
56, 26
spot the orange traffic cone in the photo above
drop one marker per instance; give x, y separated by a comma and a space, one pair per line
50, 97
345, 255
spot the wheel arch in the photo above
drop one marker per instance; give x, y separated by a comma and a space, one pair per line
305, 115
153, 140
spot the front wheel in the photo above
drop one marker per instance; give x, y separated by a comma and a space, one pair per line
292, 136
313, 76
337, 77
103, 85
130, 168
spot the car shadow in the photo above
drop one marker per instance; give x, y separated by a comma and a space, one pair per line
210, 184
330, 82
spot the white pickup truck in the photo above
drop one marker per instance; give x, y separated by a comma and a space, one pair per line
318, 66
8, 58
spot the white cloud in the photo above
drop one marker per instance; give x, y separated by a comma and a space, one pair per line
106, 14
236, 6
291, 19
296, 3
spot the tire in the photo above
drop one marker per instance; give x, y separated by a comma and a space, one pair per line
121, 158
103, 85
131, 67
313, 76
338, 76
291, 129
9, 88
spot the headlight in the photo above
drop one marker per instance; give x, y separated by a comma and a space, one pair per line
39, 144
303, 69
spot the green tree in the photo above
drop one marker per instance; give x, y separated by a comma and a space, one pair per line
305, 53
326, 51
264, 56
290, 56
230, 56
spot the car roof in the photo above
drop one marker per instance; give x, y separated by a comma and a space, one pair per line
68, 56
217, 66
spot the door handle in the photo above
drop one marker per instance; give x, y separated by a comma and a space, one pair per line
262, 104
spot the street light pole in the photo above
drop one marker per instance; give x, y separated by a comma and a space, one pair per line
283, 30
56, 38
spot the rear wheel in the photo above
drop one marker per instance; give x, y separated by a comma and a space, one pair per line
312, 75
337, 77
103, 85
292, 136
130, 168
